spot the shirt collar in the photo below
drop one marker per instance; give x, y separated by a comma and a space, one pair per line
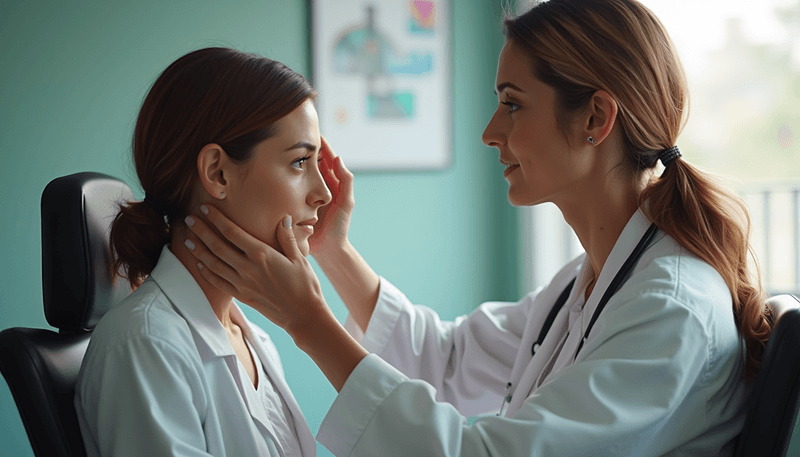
188, 298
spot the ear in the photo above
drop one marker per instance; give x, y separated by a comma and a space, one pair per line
601, 116
213, 167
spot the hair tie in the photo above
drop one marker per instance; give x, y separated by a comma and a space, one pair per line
668, 155
155, 204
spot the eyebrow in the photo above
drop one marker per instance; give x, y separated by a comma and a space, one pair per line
302, 145
502, 86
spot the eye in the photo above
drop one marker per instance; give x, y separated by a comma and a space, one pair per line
511, 106
299, 162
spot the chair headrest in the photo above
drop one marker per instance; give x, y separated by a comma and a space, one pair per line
78, 286
782, 304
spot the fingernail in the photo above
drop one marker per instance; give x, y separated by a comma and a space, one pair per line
189, 244
189, 221
204, 209
199, 266
341, 162
288, 221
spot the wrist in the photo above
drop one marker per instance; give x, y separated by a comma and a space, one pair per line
333, 255
306, 333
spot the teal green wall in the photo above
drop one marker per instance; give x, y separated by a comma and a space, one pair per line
72, 77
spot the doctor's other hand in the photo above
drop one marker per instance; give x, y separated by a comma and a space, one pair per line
282, 287
330, 231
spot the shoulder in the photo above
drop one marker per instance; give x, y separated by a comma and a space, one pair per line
671, 284
146, 316
670, 270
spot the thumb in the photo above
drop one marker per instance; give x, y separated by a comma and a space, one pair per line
286, 239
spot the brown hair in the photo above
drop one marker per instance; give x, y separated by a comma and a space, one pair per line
212, 95
580, 46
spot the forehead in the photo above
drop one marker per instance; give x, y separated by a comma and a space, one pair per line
512, 67
302, 120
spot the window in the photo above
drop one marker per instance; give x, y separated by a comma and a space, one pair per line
742, 60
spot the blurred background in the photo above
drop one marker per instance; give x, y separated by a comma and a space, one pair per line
73, 75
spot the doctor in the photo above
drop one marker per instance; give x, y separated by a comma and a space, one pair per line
643, 345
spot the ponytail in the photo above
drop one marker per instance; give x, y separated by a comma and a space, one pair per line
138, 235
711, 222
621, 47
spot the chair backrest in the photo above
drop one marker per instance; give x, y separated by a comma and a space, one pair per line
41, 366
774, 401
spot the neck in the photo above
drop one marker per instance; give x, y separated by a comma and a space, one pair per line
598, 212
219, 300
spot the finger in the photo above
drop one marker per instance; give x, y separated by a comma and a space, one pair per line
327, 167
287, 240
345, 178
208, 260
217, 247
332, 182
246, 243
218, 282
327, 151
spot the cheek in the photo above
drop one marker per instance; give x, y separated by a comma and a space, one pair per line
525, 145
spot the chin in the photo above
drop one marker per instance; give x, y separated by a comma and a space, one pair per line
517, 200
304, 248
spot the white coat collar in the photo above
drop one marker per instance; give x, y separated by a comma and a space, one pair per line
188, 298
629, 237
185, 294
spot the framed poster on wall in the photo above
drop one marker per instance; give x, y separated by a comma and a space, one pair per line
382, 70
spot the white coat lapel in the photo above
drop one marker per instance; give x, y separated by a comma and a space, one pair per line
191, 303
543, 302
308, 444
627, 241
529, 367
212, 342
630, 236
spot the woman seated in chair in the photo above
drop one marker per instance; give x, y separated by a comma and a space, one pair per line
176, 368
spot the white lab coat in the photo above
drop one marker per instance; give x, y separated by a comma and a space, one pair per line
660, 374
160, 377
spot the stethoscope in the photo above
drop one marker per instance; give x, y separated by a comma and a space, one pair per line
621, 276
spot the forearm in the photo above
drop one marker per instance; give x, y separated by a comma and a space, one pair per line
354, 280
329, 345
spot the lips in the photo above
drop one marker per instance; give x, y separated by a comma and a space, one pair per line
311, 222
510, 166
308, 225
510, 169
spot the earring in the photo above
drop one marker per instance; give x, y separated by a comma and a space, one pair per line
222, 195
592, 140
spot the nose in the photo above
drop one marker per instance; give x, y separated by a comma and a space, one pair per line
492, 136
319, 195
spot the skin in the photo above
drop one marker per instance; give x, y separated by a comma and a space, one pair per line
588, 182
282, 177
595, 191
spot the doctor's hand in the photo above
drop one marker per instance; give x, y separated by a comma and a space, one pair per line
330, 231
282, 287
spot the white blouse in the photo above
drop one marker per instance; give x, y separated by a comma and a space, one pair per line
267, 401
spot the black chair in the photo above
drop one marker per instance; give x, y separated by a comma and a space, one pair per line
775, 399
41, 366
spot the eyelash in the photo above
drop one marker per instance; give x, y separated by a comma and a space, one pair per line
303, 159
511, 106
